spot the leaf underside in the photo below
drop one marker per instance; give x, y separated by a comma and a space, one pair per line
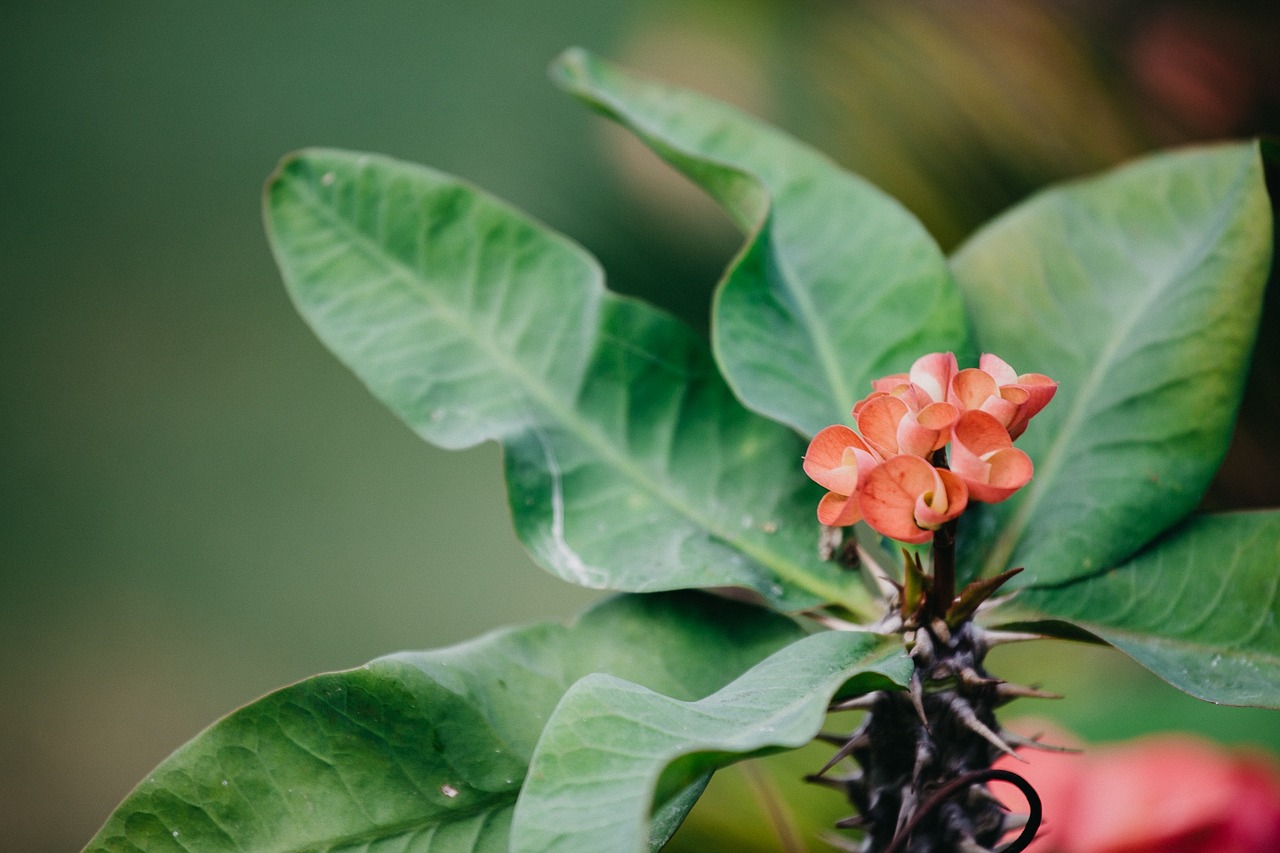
1199, 608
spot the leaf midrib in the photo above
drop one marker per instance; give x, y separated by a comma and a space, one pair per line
567, 416
493, 803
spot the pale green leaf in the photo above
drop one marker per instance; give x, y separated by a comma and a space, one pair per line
1199, 608
426, 751
630, 465
837, 283
613, 749
1140, 292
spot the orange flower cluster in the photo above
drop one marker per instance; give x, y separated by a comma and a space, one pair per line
885, 474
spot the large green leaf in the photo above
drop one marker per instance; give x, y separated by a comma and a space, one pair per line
630, 465
1199, 608
614, 749
1140, 292
837, 284
426, 751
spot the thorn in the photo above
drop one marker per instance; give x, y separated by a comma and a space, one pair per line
1015, 821
992, 638
835, 623
858, 740
941, 630
970, 677
924, 754
857, 703
981, 794
916, 690
974, 595
905, 809
852, 822
968, 845
966, 716
832, 738
841, 844
1006, 692
1036, 743
837, 783
923, 647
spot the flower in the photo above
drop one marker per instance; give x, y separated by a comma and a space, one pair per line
983, 455
837, 458
1167, 793
993, 387
885, 473
892, 425
907, 499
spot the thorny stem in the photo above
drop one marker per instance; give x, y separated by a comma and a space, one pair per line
960, 782
944, 570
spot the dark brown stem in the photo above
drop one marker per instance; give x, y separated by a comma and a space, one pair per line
944, 570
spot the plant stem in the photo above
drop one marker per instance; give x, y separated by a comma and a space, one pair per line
944, 558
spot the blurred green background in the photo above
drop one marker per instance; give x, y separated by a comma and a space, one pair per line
199, 504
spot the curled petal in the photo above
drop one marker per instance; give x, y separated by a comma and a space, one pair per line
936, 508
1001, 409
874, 395
878, 421
892, 494
997, 368
1039, 390
836, 510
890, 383
1024, 395
972, 387
983, 455
933, 373
921, 433
834, 457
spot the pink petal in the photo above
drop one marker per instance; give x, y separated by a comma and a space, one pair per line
983, 455
888, 497
1000, 409
829, 462
1008, 470
874, 395
1039, 390
838, 510
971, 387
998, 369
890, 382
933, 373
922, 433
948, 499
878, 421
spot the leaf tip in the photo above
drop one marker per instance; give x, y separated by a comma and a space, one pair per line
571, 68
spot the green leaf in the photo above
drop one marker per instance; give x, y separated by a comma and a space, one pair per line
1140, 292
837, 283
425, 751
1199, 608
614, 749
629, 463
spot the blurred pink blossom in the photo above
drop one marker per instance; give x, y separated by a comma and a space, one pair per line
1166, 793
